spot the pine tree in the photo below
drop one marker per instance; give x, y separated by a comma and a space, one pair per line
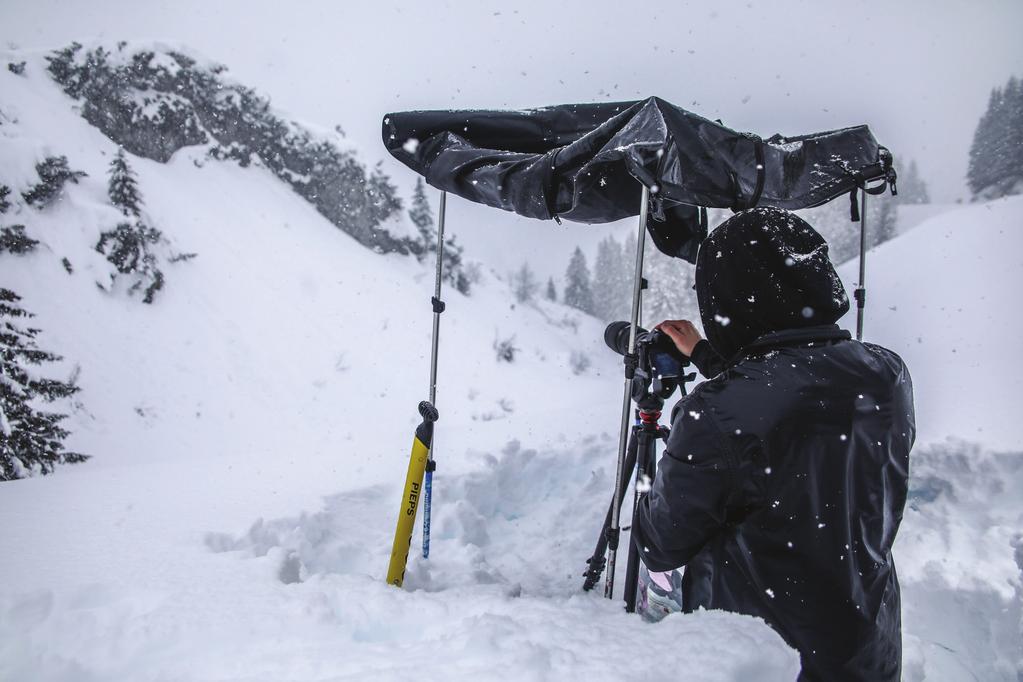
627, 274
524, 284
607, 280
996, 155
5, 191
53, 173
422, 217
578, 292
670, 295
14, 240
454, 272
885, 224
129, 247
31, 441
122, 188
552, 294
912, 188
383, 197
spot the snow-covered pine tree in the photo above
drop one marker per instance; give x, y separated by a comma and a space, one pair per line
454, 272
670, 295
14, 240
885, 225
422, 217
524, 284
552, 293
832, 221
53, 173
607, 290
129, 246
383, 196
996, 155
122, 188
912, 188
155, 103
578, 291
31, 440
627, 273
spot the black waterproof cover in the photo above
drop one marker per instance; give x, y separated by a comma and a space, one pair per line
581, 162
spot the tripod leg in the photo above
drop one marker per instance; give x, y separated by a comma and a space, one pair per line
597, 560
645, 463
637, 289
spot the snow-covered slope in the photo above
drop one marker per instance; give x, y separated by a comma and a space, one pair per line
250, 431
944, 295
276, 376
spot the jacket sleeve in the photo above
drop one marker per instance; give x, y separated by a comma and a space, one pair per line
686, 505
707, 359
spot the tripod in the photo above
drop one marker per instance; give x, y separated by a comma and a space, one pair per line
641, 456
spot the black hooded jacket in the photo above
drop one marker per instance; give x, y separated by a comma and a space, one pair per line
785, 476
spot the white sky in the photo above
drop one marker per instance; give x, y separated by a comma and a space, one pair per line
918, 72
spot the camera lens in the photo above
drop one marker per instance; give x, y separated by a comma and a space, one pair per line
616, 336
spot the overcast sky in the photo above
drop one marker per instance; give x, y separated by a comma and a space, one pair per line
918, 72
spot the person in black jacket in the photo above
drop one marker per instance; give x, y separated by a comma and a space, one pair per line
785, 476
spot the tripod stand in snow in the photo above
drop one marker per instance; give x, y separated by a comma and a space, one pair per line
582, 163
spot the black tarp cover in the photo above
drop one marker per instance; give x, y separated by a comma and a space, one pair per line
581, 162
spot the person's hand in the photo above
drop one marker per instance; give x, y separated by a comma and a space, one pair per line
683, 333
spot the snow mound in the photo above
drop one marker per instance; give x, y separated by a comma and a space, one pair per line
960, 560
502, 584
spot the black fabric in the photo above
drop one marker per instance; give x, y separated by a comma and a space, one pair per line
707, 360
784, 480
581, 162
763, 270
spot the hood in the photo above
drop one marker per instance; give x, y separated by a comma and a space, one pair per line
764, 270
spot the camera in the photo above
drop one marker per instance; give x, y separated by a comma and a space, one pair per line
657, 367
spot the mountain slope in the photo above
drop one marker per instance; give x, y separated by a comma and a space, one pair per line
944, 296
250, 431
276, 376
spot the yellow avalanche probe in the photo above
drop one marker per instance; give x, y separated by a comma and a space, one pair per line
417, 465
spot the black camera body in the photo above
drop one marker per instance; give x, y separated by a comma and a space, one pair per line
657, 367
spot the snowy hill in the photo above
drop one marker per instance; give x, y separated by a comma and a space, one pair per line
944, 296
250, 432
276, 376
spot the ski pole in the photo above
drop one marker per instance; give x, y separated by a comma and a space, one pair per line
438, 308
410, 498
421, 462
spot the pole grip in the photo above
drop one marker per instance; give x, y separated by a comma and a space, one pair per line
409, 504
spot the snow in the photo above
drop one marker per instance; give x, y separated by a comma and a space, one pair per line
944, 295
250, 434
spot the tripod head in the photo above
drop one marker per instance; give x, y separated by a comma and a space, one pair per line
655, 369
